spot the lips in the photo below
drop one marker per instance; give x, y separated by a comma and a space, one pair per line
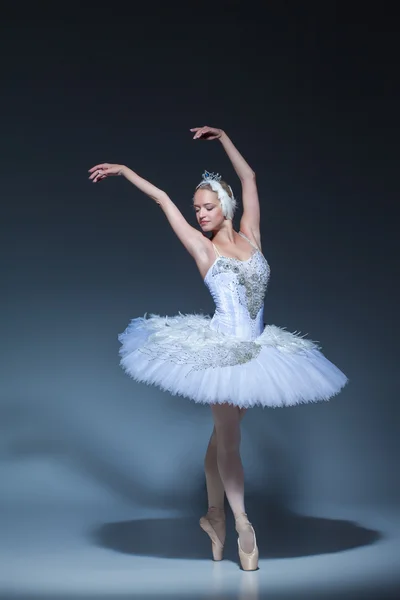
203, 222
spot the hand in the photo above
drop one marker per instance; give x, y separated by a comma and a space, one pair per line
104, 170
206, 133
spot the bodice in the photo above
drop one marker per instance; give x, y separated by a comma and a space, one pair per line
238, 289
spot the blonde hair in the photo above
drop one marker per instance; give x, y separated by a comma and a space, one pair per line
227, 188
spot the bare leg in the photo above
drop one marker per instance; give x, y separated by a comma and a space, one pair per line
215, 487
227, 427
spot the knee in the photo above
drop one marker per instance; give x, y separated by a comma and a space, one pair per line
227, 444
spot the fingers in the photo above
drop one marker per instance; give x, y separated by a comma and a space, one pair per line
98, 173
97, 178
200, 131
101, 166
206, 132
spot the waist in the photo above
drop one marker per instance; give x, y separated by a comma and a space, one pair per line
244, 328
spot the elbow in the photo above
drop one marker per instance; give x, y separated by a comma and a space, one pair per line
249, 176
162, 199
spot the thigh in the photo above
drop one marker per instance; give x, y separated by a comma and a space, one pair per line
226, 422
226, 413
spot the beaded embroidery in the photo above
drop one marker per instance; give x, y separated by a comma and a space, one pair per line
197, 344
253, 277
210, 356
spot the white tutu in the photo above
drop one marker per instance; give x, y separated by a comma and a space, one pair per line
232, 357
184, 355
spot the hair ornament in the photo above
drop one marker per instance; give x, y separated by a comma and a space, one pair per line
207, 177
228, 204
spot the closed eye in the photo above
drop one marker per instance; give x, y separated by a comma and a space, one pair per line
207, 208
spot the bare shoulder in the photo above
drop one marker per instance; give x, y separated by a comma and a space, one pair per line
252, 233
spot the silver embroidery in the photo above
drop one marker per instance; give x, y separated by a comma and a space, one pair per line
254, 278
211, 356
191, 341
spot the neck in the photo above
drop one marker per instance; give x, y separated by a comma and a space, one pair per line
225, 233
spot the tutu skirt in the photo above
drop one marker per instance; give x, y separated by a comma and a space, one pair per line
185, 356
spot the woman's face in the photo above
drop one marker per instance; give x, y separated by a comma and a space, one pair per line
208, 209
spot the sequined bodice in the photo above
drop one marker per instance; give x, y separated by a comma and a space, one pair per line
238, 289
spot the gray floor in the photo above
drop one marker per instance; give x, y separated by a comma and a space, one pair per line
83, 551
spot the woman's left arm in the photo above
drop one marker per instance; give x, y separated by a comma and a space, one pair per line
250, 221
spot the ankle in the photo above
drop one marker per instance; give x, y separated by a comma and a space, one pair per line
216, 511
242, 522
240, 516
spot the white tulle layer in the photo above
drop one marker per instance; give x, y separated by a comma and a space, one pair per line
182, 355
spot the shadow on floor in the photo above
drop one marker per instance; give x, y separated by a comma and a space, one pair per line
280, 534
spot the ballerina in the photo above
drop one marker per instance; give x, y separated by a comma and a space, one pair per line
231, 360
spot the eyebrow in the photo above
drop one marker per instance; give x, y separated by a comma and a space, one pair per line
206, 204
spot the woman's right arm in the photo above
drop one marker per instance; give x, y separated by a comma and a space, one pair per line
193, 240
143, 185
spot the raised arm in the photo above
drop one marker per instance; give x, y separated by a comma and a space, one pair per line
250, 221
191, 238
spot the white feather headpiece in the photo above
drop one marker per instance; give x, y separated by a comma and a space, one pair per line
228, 204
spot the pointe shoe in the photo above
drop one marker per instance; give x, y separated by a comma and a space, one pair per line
214, 515
248, 561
